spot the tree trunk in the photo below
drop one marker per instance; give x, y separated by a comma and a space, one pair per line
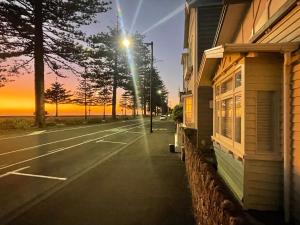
85, 101
104, 112
39, 65
144, 99
114, 97
56, 109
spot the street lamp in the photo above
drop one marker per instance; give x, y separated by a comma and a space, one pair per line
127, 43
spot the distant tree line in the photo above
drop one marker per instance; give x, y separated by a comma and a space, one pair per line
47, 34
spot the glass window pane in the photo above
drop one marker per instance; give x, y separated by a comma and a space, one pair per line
226, 86
238, 119
226, 120
238, 79
188, 109
218, 115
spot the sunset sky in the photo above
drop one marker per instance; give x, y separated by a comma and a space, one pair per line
162, 23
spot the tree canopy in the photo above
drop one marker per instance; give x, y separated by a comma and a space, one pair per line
45, 31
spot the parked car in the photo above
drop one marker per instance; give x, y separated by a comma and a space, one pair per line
163, 117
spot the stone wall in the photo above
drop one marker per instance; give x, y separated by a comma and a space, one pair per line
212, 202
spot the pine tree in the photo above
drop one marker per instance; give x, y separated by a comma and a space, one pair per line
108, 61
57, 94
104, 98
85, 94
45, 32
124, 103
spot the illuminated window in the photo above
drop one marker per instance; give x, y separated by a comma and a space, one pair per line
188, 110
218, 116
226, 118
238, 119
228, 108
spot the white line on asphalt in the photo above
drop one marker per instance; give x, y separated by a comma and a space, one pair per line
65, 148
36, 132
63, 140
59, 130
133, 132
14, 171
38, 176
113, 142
56, 188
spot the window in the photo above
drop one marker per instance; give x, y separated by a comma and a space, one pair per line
226, 86
238, 119
228, 109
226, 121
188, 110
218, 115
238, 79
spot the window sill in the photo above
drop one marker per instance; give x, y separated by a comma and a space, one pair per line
228, 148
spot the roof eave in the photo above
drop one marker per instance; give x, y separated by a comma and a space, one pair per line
212, 56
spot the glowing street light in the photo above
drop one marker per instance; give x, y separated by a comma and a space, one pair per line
159, 92
126, 42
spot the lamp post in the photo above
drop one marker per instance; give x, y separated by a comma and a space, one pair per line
151, 75
126, 43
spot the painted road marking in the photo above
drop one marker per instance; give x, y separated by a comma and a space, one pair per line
160, 129
134, 132
113, 142
56, 188
63, 140
60, 130
36, 132
38, 176
63, 149
14, 171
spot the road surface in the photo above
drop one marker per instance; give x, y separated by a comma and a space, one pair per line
99, 174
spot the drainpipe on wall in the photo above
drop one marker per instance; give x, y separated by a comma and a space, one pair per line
287, 73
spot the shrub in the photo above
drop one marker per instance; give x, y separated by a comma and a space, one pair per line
178, 113
9, 124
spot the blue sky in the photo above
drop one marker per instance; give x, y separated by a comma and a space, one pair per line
167, 35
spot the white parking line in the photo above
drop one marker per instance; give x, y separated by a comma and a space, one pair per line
38, 176
63, 140
14, 171
65, 148
112, 142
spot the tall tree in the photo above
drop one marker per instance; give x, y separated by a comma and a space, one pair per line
109, 61
85, 94
104, 98
57, 94
142, 59
124, 102
46, 31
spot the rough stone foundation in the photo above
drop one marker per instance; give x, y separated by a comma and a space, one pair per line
212, 202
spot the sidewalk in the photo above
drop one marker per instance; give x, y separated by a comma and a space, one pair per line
142, 185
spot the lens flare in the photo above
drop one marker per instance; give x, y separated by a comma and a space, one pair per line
126, 43
137, 12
